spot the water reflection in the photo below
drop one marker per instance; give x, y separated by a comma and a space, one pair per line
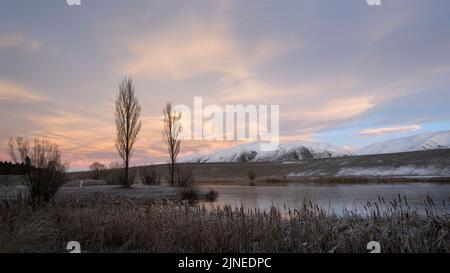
331, 197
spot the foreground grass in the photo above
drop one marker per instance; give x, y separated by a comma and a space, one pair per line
125, 224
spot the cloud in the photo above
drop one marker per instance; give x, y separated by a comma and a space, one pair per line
18, 40
334, 110
248, 89
194, 48
322, 78
16, 92
180, 53
388, 130
378, 29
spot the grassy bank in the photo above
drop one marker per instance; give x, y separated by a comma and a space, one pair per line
124, 224
96, 189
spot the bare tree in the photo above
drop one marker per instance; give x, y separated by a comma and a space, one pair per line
18, 155
97, 170
128, 123
170, 136
45, 170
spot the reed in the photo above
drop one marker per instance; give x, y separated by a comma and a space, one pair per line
123, 224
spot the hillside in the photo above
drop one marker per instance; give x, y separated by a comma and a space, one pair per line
286, 152
426, 141
421, 164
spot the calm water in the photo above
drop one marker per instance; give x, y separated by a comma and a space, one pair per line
332, 197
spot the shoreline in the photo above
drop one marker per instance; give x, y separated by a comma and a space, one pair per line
154, 193
363, 180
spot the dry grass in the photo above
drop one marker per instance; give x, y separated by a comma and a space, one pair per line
139, 225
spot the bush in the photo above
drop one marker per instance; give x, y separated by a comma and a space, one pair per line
97, 171
211, 195
45, 170
150, 176
189, 194
184, 177
251, 175
131, 179
115, 174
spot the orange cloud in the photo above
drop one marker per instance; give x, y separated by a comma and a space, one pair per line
389, 130
334, 110
18, 40
17, 92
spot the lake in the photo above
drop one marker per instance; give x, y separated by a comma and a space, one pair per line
332, 197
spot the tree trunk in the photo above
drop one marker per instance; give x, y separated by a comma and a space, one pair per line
172, 173
127, 184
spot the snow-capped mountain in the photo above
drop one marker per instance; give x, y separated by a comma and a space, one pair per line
426, 141
305, 150
285, 152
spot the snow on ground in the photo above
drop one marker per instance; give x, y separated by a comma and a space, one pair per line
387, 171
305, 149
285, 152
407, 171
426, 141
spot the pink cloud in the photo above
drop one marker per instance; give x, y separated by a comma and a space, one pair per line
388, 130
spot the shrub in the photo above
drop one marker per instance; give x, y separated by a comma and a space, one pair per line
184, 177
115, 174
211, 195
131, 179
150, 176
45, 170
97, 171
252, 176
189, 194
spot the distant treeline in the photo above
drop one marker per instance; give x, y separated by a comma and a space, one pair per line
9, 168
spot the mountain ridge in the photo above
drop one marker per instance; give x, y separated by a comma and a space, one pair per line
301, 150
418, 142
292, 151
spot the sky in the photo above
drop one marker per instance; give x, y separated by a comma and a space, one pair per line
342, 72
